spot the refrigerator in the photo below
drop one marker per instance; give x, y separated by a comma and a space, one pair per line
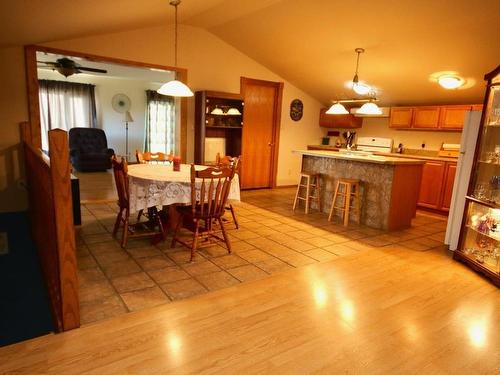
461, 183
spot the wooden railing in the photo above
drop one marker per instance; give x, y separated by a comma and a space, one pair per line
49, 190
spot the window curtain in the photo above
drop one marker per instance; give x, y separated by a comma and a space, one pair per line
160, 123
65, 105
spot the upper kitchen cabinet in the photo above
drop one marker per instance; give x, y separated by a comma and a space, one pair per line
401, 117
426, 117
453, 116
442, 118
339, 121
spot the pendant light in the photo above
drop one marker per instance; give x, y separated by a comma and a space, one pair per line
175, 88
359, 88
337, 109
369, 108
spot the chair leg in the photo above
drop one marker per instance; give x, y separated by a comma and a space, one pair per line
318, 194
297, 194
177, 228
333, 202
358, 204
347, 204
308, 192
125, 232
194, 245
234, 216
224, 234
117, 222
139, 214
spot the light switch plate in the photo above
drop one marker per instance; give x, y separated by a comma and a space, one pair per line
4, 243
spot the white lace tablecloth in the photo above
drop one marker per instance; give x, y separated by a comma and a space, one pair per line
158, 185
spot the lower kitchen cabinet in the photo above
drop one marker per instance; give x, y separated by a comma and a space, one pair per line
436, 187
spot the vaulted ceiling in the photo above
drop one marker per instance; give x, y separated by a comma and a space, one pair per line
308, 42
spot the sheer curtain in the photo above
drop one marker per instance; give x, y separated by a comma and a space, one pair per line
65, 105
160, 123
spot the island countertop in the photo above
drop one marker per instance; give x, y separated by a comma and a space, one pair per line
378, 159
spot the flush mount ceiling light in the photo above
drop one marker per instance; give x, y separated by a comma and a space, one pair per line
337, 109
450, 82
358, 87
175, 88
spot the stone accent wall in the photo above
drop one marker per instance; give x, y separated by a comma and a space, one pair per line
376, 186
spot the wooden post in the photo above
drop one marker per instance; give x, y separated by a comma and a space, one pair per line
63, 207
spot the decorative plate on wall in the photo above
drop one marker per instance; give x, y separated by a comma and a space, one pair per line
296, 109
120, 103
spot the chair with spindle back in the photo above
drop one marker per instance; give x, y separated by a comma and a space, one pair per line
153, 157
207, 206
139, 229
229, 161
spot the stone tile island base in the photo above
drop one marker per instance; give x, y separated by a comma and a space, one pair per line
389, 191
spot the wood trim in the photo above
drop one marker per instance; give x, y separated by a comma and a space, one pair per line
277, 120
65, 233
224, 95
32, 86
51, 216
33, 101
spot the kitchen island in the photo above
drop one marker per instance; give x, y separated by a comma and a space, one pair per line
389, 185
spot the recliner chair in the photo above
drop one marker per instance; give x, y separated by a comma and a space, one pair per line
88, 149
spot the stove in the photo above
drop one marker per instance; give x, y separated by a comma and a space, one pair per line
374, 144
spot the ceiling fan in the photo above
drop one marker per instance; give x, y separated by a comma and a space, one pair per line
68, 67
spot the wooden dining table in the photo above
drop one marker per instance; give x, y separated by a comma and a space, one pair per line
154, 185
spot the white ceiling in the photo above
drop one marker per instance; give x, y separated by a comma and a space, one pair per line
308, 42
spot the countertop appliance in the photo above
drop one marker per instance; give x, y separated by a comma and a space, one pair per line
374, 144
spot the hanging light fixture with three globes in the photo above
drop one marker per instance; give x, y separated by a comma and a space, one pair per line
360, 88
175, 87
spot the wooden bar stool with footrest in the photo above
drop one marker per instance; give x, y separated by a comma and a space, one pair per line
311, 181
348, 189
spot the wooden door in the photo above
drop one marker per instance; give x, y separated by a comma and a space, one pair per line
401, 117
432, 184
426, 117
260, 132
453, 116
449, 180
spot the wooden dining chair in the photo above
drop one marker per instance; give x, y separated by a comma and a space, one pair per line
152, 227
229, 161
207, 206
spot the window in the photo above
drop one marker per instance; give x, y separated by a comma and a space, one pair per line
160, 123
65, 105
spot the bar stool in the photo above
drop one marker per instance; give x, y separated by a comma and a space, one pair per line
346, 188
311, 181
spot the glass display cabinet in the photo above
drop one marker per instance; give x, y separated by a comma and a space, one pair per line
479, 246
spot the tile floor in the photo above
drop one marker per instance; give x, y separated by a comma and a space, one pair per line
272, 238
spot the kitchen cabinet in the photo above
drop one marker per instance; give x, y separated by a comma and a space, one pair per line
436, 118
436, 187
401, 117
479, 242
432, 184
449, 180
339, 121
453, 116
425, 117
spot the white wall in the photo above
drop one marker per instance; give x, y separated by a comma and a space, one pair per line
379, 127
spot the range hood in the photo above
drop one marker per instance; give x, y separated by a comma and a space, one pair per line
386, 112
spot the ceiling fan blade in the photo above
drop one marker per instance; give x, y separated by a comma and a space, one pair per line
53, 63
95, 70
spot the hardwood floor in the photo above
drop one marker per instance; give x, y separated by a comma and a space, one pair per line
389, 310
